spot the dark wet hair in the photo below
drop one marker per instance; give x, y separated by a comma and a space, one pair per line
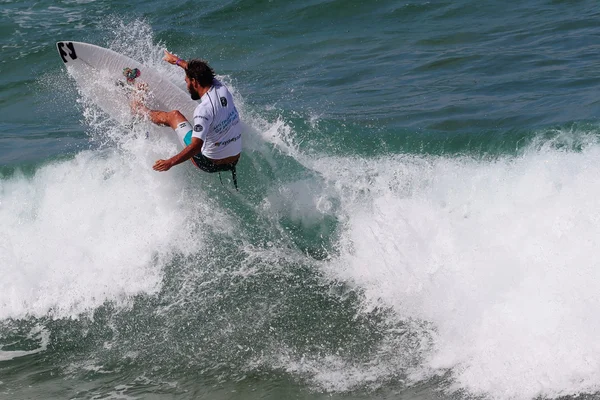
201, 72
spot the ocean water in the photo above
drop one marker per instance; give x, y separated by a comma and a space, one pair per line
418, 214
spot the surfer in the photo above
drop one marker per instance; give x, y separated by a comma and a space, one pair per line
214, 141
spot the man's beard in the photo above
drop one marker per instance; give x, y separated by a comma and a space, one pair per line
193, 93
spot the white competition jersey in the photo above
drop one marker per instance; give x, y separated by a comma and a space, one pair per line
217, 123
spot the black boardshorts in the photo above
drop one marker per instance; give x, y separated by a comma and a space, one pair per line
207, 165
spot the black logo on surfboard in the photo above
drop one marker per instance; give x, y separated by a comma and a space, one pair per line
63, 53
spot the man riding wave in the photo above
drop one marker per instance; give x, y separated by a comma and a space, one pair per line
214, 141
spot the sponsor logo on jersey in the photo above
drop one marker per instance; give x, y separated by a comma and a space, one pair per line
224, 126
198, 128
226, 142
223, 101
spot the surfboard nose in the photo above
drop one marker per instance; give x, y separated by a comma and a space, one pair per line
66, 50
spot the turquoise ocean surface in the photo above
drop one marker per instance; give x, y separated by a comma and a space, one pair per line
418, 214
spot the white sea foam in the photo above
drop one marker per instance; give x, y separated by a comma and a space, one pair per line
95, 228
497, 257
500, 256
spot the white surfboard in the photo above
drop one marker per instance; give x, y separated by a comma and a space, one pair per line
99, 73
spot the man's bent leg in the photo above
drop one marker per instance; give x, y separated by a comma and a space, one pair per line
166, 118
176, 121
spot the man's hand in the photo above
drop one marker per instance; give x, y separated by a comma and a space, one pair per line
188, 152
170, 57
162, 165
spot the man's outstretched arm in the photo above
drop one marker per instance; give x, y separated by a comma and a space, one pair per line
191, 150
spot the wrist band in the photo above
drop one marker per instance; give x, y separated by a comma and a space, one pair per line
177, 62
